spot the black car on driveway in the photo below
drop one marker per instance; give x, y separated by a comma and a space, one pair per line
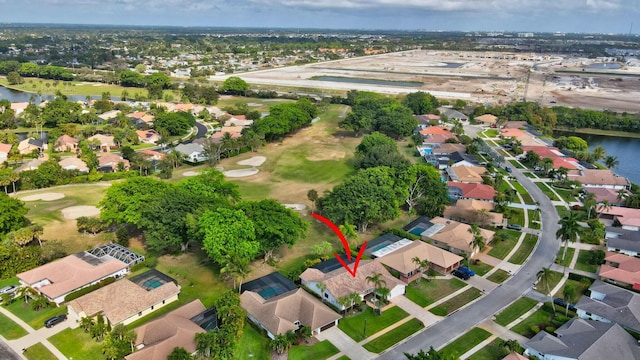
460, 274
54, 320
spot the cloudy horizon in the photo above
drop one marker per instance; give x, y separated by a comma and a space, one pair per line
594, 16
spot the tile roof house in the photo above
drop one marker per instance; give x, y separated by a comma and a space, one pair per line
238, 120
30, 165
192, 152
288, 311
58, 278
141, 118
340, 283
148, 136
487, 119
104, 142
459, 190
514, 356
628, 218
5, 149
123, 301
106, 116
466, 174
474, 211
610, 303
622, 240
582, 339
453, 236
152, 155
19, 107
436, 135
509, 133
448, 148
452, 114
73, 163
66, 143
157, 339
109, 162
620, 269
401, 259
28, 145
603, 194
598, 178
426, 119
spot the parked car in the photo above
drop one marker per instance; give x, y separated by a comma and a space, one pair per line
50, 322
507, 169
460, 274
467, 271
560, 302
9, 289
514, 227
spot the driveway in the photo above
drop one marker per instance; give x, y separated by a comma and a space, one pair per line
345, 344
502, 296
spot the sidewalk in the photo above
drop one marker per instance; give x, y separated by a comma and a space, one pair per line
35, 336
345, 344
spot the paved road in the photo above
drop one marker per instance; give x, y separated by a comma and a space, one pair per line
6, 353
201, 130
519, 284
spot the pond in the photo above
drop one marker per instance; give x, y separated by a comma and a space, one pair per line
15, 96
368, 81
603, 66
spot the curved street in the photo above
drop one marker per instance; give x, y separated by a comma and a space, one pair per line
517, 286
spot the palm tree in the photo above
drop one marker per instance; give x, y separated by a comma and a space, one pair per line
279, 343
349, 232
569, 294
568, 231
611, 161
354, 298
86, 323
25, 292
621, 195
478, 242
378, 283
423, 265
598, 153
344, 301
238, 268
544, 277
322, 287
589, 203
605, 205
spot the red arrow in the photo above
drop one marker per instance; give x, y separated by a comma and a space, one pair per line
345, 244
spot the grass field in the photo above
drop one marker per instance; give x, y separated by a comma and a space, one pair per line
9, 329
319, 351
580, 288
465, 342
582, 264
499, 276
481, 268
39, 352
456, 302
517, 216
524, 250
525, 195
567, 258
566, 195
394, 336
253, 345
489, 352
35, 319
75, 343
534, 219
516, 164
547, 191
541, 317
354, 326
515, 310
428, 292
8, 281
501, 248
530, 175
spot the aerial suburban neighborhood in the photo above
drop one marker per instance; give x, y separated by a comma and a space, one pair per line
186, 193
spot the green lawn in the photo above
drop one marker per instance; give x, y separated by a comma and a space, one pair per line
517, 164
428, 292
320, 351
354, 325
39, 352
344, 357
465, 342
566, 195
9, 329
481, 268
515, 310
562, 211
547, 191
534, 219
394, 336
517, 216
491, 133
253, 345
489, 352
524, 193
35, 319
524, 250
75, 343
553, 281
456, 302
541, 317
501, 248
582, 264
580, 287
295, 165
499, 276
567, 257
8, 281
530, 175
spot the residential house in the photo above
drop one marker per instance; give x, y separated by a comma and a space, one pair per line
607, 194
111, 163
453, 236
459, 190
109, 115
73, 163
148, 136
142, 119
5, 149
601, 178
514, 356
627, 218
448, 148
29, 145
102, 142
157, 339
193, 152
234, 131
238, 120
620, 269
269, 286
486, 119
452, 114
59, 278
66, 143
19, 107
401, 259
436, 135
466, 174
152, 155
610, 303
426, 119
30, 165
339, 282
474, 211
126, 300
462, 159
511, 133
622, 240
559, 158
581, 339
182, 107
516, 124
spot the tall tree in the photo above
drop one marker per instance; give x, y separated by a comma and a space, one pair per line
12, 214
598, 153
421, 103
611, 161
545, 276
379, 283
124, 201
569, 229
569, 295
423, 183
423, 266
478, 242
228, 232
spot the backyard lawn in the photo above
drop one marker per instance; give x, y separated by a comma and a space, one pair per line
354, 326
252, 345
38, 352
582, 264
489, 352
580, 288
75, 343
499, 276
428, 292
524, 250
545, 288
515, 310
35, 319
394, 336
319, 351
9, 329
501, 248
466, 342
516, 216
456, 302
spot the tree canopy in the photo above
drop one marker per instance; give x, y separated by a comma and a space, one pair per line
12, 214
227, 233
379, 113
174, 123
421, 103
235, 86
124, 201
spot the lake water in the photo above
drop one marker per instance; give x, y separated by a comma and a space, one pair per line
21, 96
368, 81
603, 66
627, 150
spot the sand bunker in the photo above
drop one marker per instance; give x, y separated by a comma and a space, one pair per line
254, 104
190, 173
43, 197
75, 212
241, 172
254, 161
295, 206
327, 155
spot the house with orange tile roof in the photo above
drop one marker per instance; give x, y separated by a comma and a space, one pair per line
509, 133
401, 259
453, 236
474, 211
466, 174
458, 190
487, 119
621, 269
598, 178
627, 218
5, 149
19, 107
66, 143
148, 136
103, 142
73, 163
110, 162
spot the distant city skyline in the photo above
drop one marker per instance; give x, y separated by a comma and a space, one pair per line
592, 16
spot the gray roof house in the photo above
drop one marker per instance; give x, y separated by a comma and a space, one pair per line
193, 152
622, 240
452, 114
584, 339
610, 303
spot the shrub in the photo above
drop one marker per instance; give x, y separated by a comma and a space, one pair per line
534, 329
88, 289
550, 329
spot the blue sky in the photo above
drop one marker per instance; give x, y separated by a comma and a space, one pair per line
608, 16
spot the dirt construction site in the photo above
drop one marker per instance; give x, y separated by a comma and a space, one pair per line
480, 77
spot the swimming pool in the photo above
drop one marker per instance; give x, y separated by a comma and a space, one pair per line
152, 283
